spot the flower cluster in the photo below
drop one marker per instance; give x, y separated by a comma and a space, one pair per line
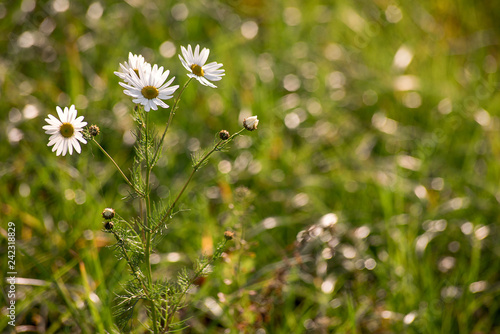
147, 85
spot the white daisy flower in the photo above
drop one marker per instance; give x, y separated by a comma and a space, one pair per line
195, 63
133, 63
149, 88
66, 131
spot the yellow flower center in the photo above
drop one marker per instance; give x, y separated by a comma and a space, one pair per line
149, 92
67, 130
197, 70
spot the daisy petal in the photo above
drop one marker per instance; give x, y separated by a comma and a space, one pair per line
77, 146
60, 113
204, 56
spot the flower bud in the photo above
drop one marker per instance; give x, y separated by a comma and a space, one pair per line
224, 135
108, 213
250, 123
108, 225
94, 130
229, 235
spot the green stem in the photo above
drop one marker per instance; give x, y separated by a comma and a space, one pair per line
116, 165
129, 261
183, 293
147, 223
195, 168
170, 117
131, 228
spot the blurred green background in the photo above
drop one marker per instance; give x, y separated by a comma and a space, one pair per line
367, 200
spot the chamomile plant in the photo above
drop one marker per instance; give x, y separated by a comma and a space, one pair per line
151, 87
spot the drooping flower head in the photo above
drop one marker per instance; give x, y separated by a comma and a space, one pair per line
250, 123
66, 131
134, 62
195, 61
149, 88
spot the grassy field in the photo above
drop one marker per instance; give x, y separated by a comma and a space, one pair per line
366, 202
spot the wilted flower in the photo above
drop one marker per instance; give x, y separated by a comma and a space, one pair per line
195, 63
66, 131
94, 130
250, 123
149, 88
229, 235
